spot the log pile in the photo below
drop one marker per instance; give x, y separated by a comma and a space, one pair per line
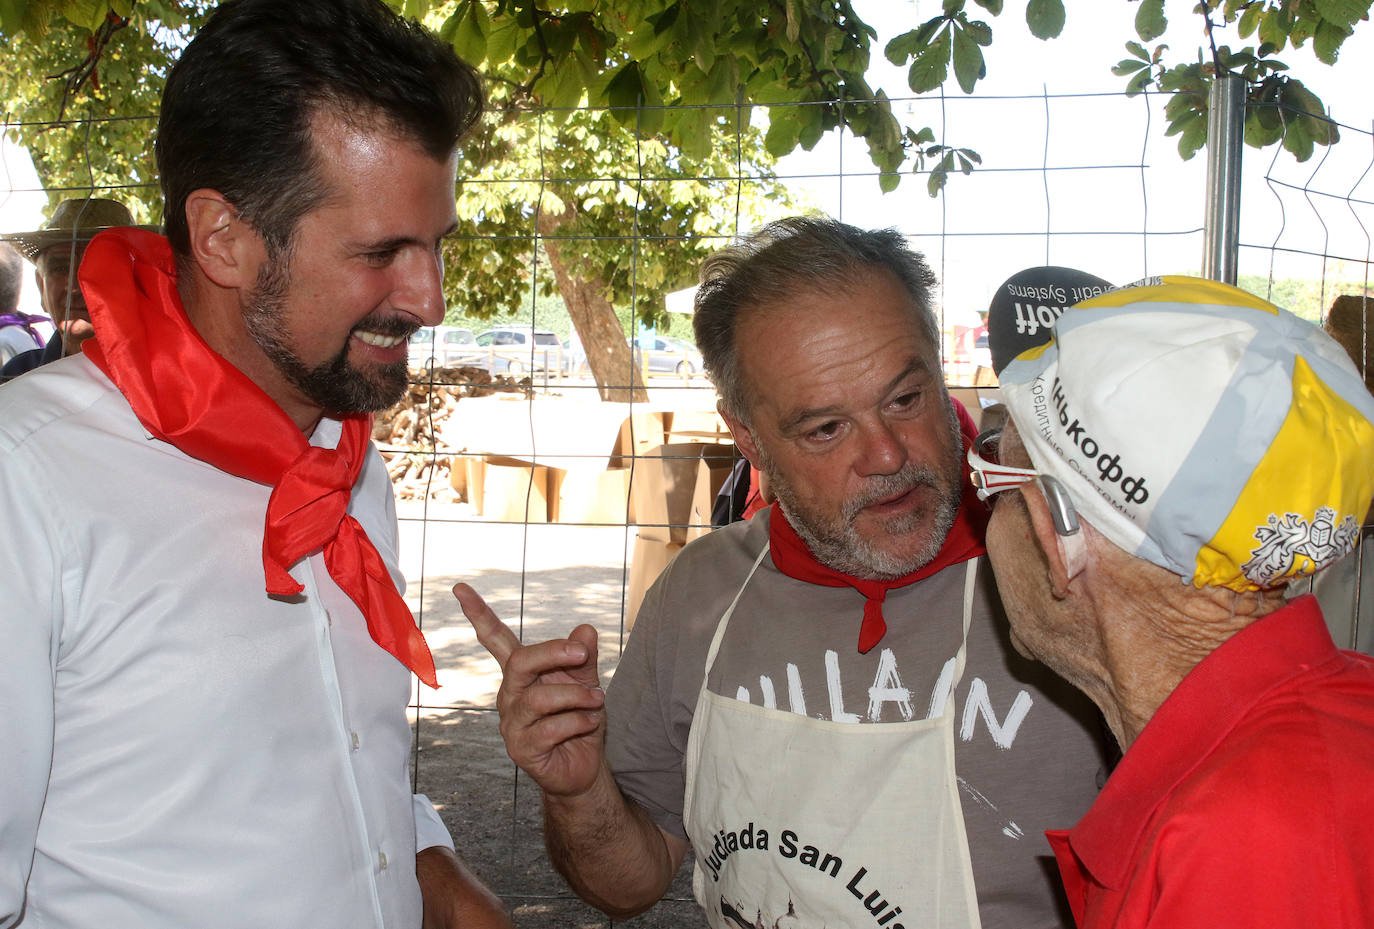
407, 433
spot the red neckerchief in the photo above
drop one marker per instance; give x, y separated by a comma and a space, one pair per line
792, 557
186, 394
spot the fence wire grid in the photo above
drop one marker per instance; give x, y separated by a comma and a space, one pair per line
1084, 180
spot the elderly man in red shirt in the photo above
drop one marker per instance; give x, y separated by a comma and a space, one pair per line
1179, 452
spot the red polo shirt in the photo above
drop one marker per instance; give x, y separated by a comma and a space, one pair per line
1248, 799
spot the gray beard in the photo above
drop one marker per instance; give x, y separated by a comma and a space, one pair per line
838, 545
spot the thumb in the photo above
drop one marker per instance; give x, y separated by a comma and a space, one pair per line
586, 673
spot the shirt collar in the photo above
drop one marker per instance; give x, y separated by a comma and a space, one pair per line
1209, 702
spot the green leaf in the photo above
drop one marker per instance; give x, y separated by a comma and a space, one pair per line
469, 39
563, 85
888, 181
1249, 20
1326, 44
1297, 139
1046, 18
1136, 85
1191, 130
1273, 29
704, 49
992, 6
1129, 66
968, 61
1259, 131
502, 40
11, 16
1342, 12
1150, 21
624, 93
694, 132
924, 137
784, 130
930, 67
793, 21
812, 126
1138, 50
446, 31
899, 49
979, 32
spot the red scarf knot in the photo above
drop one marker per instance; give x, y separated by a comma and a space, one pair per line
964, 540
187, 395
304, 512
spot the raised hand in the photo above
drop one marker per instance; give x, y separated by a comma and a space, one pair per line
551, 702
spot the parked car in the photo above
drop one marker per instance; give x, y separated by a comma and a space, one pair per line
442, 345
574, 358
514, 350
666, 355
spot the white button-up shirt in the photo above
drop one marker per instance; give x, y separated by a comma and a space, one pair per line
178, 749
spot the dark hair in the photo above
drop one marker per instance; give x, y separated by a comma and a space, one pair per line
800, 254
11, 277
237, 107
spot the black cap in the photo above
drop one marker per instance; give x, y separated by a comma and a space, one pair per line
1027, 304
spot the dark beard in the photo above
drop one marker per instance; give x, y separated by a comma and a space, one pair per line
334, 385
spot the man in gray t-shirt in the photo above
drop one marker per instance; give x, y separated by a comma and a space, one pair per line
821, 703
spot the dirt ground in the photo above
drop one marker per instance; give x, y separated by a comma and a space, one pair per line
543, 580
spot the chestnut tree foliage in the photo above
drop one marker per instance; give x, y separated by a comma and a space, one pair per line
632, 137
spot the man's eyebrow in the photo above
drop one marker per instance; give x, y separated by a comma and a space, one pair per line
794, 420
400, 241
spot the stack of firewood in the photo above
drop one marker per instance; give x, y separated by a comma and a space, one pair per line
407, 433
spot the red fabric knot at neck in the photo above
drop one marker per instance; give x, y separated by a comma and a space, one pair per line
964, 540
304, 512
187, 395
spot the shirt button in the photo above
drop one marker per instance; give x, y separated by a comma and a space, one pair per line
381, 860
357, 742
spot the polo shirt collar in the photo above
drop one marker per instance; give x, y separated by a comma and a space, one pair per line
1208, 703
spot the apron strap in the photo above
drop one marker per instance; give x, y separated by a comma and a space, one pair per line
725, 619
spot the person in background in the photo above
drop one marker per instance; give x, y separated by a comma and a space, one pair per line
1179, 453
17, 332
821, 701
207, 659
1346, 589
56, 250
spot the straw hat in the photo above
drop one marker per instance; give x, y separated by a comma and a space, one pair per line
72, 221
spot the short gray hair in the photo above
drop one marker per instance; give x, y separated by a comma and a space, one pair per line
800, 254
11, 277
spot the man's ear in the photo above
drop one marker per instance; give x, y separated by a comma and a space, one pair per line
744, 439
1066, 555
225, 248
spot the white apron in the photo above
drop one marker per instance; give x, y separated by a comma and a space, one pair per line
814, 824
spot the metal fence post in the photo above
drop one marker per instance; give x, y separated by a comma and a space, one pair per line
1225, 132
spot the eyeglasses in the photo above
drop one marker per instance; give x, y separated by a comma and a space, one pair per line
990, 478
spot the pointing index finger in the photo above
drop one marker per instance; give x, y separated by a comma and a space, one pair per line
495, 636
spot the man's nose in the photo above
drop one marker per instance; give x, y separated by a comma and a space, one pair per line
882, 450
420, 291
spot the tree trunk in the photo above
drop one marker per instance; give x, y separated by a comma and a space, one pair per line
608, 354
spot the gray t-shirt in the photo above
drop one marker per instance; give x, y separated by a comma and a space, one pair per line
1030, 751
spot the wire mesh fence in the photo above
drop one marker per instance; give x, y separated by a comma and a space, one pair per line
517, 477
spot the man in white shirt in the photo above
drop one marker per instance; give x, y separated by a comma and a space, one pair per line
204, 681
